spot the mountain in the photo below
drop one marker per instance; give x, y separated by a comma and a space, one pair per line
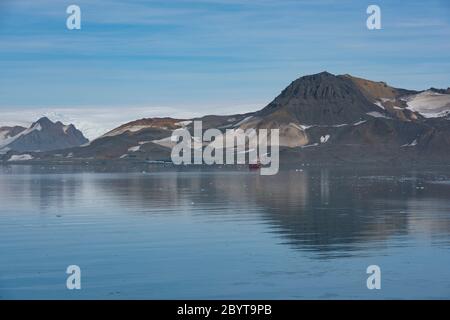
377, 90
132, 140
318, 107
143, 139
146, 123
9, 132
320, 99
322, 118
442, 91
42, 135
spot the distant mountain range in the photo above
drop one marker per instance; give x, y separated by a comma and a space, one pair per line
42, 135
322, 118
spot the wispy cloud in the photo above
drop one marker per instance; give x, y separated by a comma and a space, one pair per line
206, 52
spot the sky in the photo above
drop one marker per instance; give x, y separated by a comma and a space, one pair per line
182, 58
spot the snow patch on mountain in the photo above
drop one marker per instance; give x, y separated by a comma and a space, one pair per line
21, 157
340, 125
184, 123
377, 114
168, 142
246, 119
379, 104
310, 145
299, 126
135, 128
4, 151
4, 135
134, 149
429, 104
325, 138
412, 144
10, 140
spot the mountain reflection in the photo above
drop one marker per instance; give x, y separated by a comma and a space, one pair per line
329, 211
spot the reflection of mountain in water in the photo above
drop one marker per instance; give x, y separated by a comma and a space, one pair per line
329, 210
322, 210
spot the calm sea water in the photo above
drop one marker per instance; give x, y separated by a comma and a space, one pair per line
213, 234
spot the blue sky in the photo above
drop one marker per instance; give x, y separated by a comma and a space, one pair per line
209, 56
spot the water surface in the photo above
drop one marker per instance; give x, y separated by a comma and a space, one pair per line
217, 234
